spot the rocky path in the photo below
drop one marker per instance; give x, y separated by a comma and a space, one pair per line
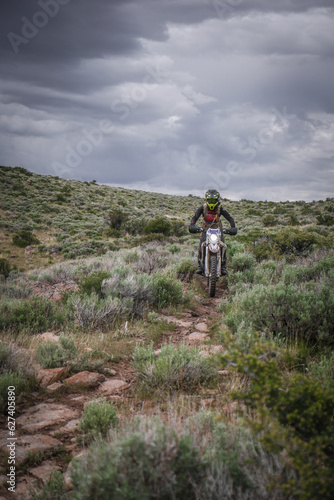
46, 430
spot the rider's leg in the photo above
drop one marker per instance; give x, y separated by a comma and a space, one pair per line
224, 258
199, 269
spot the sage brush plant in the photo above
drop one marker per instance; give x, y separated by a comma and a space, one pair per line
175, 368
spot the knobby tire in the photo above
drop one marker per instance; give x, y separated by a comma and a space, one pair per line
213, 275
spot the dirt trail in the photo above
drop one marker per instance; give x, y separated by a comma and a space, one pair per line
47, 424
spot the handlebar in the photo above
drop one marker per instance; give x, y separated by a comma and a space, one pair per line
194, 229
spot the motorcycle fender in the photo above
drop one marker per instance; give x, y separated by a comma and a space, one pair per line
206, 264
214, 248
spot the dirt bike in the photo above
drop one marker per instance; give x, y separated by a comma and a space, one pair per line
213, 251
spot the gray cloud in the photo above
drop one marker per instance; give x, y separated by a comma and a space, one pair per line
173, 95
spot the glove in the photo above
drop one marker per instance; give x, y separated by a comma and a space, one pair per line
194, 229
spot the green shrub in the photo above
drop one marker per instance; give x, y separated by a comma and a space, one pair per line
53, 489
92, 283
234, 247
152, 237
113, 233
289, 242
159, 225
301, 312
200, 458
166, 291
176, 368
7, 379
91, 312
174, 248
293, 242
53, 355
134, 291
22, 171
5, 268
5, 351
307, 407
35, 314
25, 238
186, 269
325, 220
323, 370
147, 461
61, 198
294, 415
243, 261
269, 220
116, 219
97, 418
178, 228
293, 220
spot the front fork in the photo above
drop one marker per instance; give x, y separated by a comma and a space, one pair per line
206, 261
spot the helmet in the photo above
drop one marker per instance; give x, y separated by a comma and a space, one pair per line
212, 198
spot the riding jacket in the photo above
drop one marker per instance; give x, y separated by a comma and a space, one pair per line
209, 215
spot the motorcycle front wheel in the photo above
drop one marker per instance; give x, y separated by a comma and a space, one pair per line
212, 280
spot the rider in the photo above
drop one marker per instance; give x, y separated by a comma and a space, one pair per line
211, 211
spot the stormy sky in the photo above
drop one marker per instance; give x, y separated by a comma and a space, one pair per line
172, 96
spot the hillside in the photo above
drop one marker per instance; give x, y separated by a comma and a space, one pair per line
128, 380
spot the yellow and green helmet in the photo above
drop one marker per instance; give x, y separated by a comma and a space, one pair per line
212, 198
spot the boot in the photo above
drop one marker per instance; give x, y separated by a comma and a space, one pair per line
224, 270
199, 269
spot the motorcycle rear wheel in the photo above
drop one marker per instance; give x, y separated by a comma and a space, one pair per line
212, 280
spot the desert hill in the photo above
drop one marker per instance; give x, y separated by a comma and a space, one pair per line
121, 378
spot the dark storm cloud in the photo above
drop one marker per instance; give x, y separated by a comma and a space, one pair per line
171, 95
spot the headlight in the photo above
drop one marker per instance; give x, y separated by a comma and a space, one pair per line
213, 238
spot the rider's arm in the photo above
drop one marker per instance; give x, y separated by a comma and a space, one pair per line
197, 215
227, 216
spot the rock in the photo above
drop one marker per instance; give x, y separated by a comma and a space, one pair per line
223, 373
207, 402
26, 444
78, 398
69, 428
23, 486
47, 377
87, 379
201, 327
212, 350
157, 353
54, 387
48, 337
67, 475
29, 249
217, 349
197, 337
111, 386
110, 371
177, 322
45, 415
44, 471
